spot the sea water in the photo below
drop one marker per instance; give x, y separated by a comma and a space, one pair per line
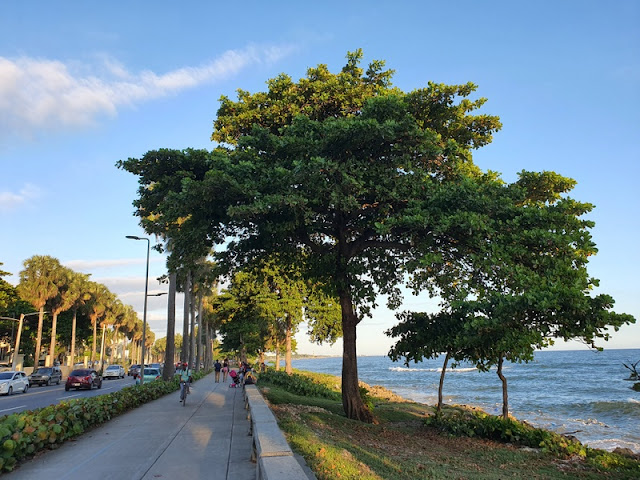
583, 393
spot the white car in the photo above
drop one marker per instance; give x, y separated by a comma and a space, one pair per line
13, 382
114, 371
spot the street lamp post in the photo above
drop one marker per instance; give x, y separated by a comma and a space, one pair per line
20, 321
144, 314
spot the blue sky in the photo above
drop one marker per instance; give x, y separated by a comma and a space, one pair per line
83, 85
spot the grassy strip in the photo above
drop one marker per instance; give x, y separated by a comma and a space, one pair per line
410, 443
24, 434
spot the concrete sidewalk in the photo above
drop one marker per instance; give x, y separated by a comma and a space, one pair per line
206, 439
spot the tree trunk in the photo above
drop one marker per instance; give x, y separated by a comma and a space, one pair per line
184, 355
52, 347
505, 398
207, 347
444, 370
277, 358
95, 338
104, 333
38, 338
199, 335
73, 336
352, 402
114, 341
192, 333
169, 354
287, 353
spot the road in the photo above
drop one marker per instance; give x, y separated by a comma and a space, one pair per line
38, 397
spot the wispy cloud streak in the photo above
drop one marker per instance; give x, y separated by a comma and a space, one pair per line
43, 94
11, 200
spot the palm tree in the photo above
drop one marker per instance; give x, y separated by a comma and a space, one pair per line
78, 289
101, 299
110, 319
120, 321
37, 285
61, 302
131, 319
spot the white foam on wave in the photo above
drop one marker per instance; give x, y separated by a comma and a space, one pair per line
611, 444
438, 370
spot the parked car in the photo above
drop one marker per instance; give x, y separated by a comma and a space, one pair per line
159, 366
46, 376
83, 378
151, 374
13, 381
113, 371
134, 370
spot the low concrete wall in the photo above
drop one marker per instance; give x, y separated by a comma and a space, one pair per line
271, 452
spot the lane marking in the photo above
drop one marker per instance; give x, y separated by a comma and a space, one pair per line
68, 396
14, 408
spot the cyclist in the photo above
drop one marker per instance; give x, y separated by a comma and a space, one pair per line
185, 380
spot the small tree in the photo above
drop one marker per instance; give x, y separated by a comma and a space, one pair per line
526, 286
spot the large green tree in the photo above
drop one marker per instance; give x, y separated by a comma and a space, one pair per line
365, 179
11, 306
7, 292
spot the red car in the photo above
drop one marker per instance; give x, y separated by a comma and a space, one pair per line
83, 378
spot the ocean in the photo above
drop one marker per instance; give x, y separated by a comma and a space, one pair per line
583, 393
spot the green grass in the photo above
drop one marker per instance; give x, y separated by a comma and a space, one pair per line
402, 447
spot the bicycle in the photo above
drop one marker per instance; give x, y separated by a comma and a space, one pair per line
184, 391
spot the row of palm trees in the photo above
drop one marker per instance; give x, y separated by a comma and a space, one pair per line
53, 288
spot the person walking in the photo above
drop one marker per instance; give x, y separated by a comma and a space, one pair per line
217, 367
225, 370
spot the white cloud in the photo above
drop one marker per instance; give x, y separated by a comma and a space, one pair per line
11, 200
42, 94
84, 265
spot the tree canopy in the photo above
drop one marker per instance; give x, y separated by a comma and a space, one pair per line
529, 284
372, 187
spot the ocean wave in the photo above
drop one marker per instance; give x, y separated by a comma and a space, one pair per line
611, 444
438, 370
629, 407
588, 421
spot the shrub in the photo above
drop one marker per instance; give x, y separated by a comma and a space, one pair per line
298, 384
467, 423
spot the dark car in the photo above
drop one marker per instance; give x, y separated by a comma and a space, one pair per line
83, 378
134, 370
46, 376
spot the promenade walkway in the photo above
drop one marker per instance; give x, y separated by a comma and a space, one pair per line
206, 439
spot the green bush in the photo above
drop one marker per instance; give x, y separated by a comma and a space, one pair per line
366, 398
298, 384
461, 422
25, 433
480, 424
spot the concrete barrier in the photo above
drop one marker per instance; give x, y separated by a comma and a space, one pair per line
271, 452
